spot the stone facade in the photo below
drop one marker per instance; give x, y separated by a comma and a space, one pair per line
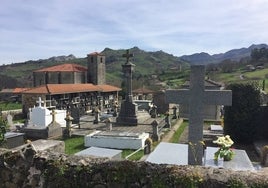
27, 168
96, 68
54, 76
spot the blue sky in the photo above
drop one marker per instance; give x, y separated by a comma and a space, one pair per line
39, 29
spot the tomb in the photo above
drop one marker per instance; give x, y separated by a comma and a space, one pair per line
14, 139
177, 154
114, 139
101, 152
41, 116
53, 130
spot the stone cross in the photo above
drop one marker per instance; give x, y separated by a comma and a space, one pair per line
197, 97
53, 113
127, 55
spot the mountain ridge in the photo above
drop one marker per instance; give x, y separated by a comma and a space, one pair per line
234, 54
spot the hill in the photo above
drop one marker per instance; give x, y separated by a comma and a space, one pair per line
147, 64
233, 55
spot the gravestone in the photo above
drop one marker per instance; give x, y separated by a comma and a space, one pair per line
10, 122
128, 111
197, 97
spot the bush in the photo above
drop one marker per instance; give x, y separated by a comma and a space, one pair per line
241, 119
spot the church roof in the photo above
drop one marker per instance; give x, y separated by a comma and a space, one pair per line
70, 88
68, 67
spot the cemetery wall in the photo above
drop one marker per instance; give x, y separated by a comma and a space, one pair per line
27, 168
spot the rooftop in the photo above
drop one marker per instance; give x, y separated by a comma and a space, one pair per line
69, 67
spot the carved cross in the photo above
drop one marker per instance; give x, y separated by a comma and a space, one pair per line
197, 97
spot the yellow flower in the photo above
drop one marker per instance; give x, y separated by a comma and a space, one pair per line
224, 141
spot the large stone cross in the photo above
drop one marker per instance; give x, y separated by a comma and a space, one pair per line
197, 97
127, 55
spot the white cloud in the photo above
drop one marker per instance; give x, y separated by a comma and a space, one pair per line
38, 29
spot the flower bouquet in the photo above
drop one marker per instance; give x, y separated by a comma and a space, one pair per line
225, 152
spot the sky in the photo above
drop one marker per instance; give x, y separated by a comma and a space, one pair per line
39, 29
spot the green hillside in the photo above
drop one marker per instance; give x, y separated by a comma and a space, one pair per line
147, 64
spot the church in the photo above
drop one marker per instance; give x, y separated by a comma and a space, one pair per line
68, 86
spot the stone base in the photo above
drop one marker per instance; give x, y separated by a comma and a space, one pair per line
35, 132
128, 114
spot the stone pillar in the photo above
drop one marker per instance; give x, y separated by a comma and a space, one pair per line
154, 111
67, 132
97, 115
174, 112
108, 123
167, 121
155, 135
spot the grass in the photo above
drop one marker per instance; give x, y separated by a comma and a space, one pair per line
175, 138
74, 144
134, 157
4, 106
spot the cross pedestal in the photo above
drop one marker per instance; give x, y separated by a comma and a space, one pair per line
128, 110
197, 97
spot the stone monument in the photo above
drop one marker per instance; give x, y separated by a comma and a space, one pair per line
196, 97
128, 111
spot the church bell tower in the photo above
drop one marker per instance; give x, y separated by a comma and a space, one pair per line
96, 68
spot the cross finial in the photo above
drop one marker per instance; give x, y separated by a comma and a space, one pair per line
127, 55
39, 102
53, 113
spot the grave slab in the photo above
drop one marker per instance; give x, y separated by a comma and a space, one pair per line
177, 154
48, 145
14, 139
101, 152
116, 139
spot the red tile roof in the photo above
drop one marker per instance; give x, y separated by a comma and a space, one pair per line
143, 91
14, 90
64, 68
70, 88
108, 88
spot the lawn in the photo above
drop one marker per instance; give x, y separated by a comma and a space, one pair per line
76, 144
4, 106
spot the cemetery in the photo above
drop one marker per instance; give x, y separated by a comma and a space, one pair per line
133, 125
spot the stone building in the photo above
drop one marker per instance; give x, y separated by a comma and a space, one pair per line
60, 74
72, 86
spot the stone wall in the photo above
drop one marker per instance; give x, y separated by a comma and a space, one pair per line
28, 168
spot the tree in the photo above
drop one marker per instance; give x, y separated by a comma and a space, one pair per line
241, 119
3, 125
